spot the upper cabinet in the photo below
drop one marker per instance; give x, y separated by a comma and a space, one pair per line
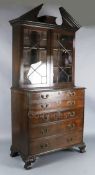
43, 52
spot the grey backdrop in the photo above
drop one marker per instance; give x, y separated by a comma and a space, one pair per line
83, 11
67, 163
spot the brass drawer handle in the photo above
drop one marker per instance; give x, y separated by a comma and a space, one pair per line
70, 114
71, 126
46, 116
38, 116
43, 146
44, 131
46, 145
44, 96
30, 115
71, 103
72, 93
44, 106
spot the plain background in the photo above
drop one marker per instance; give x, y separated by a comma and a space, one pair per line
84, 12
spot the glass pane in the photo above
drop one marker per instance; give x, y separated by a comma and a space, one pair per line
34, 57
62, 58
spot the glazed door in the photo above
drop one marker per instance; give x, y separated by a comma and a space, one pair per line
35, 58
62, 58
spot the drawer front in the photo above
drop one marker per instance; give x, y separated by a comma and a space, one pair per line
39, 146
54, 116
41, 107
55, 128
43, 95
73, 113
71, 103
72, 94
64, 94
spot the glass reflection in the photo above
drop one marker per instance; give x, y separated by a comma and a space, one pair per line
62, 62
37, 73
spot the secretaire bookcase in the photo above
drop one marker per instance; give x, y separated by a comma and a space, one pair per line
47, 107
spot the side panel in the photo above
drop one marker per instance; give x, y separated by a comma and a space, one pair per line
17, 49
19, 121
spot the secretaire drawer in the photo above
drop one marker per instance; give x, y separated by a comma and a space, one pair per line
39, 146
63, 94
73, 103
58, 104
54, 116
55, 128
72, 94
43, 95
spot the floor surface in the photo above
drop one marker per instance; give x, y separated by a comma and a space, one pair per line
60, 163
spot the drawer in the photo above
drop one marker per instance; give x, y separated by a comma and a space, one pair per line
71, 103
39, 146
54, 116
43, 95
55, 128
59, 104
40, 107
63, 94
73, 113
72, 94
